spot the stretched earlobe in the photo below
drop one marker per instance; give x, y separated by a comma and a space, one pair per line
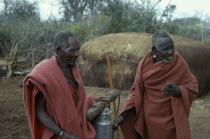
154, 49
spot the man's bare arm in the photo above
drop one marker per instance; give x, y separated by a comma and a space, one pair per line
46, 120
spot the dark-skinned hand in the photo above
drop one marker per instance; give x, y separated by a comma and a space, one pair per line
68, 136
115, 125
171, 89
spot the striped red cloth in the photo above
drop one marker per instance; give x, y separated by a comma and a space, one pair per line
73, 92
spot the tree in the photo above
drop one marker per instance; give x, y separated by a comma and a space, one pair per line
128, 16
168, 12
115, 10
13, 29
19, 10
75, 10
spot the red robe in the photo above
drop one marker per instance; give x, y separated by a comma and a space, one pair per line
158, 115
48, 78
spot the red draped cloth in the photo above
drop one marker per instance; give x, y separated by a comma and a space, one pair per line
158, 115
47, 78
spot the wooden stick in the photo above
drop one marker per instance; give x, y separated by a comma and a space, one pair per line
112, 88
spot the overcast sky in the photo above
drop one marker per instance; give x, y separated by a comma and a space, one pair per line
189, 7
184, 8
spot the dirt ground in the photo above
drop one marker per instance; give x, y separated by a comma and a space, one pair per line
13, 122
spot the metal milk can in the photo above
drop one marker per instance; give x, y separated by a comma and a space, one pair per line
103, 125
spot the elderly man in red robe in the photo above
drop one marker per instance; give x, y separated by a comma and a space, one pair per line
55, 100
158, 104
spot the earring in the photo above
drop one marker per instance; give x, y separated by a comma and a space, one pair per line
154, 56
55, 54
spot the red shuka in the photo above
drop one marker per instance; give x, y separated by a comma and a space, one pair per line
48, 78
158, 115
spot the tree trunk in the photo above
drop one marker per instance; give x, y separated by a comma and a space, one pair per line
11, 58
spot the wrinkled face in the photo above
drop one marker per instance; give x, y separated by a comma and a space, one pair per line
165, 50
70, 53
